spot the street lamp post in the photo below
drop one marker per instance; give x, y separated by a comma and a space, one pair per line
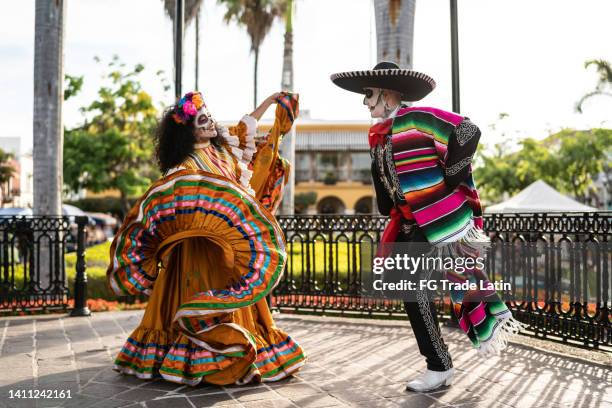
454, 55
179, 22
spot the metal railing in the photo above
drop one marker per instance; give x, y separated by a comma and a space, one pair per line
32, 263
558, 265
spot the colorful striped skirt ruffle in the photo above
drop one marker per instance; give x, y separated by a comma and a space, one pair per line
207, 253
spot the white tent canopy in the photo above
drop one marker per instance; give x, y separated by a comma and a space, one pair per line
539, 197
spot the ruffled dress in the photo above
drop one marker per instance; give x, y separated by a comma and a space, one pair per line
206, 250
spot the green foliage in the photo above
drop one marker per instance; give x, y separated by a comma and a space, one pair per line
113, 149
256, 16
301, 201
73, 86
568, 161
112, 205
582, 155
97, 259
6, 169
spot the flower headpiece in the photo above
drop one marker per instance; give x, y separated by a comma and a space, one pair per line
187, 107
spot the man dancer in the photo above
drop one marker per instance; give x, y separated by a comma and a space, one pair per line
403, 189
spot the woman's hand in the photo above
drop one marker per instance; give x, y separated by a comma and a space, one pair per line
261, 109
272, 98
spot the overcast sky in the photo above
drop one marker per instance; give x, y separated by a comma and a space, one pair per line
521, 57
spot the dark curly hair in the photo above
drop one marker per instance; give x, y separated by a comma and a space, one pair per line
175, 141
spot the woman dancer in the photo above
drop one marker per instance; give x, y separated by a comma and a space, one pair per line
207, 252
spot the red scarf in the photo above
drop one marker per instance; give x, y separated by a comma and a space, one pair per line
376, 136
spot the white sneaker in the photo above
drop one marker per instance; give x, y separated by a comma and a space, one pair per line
431, 380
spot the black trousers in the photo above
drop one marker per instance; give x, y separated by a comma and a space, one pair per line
423, 317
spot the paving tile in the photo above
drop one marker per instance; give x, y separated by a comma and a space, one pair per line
290, 380
317, 401
102, 390
521, 377
140, 394
158, 384
274, 403
355, 395
336, 385
417, 401
389, 390
111, 403
81, 401
213, 400
254, 394
296, 390
173, 402
380, 403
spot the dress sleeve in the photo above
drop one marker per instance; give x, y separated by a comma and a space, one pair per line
269, 169
242, 138
462, 145
384, 202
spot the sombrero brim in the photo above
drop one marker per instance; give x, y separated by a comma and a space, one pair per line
412, 85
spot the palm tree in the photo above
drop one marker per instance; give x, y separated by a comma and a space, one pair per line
604, 82
287, 79
288, 145
257, 17
48, 95
395, 31
47, 126
192, 12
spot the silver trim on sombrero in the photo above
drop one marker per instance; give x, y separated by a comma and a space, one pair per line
385, 72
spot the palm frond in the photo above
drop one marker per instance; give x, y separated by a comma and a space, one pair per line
192, 8
604, 69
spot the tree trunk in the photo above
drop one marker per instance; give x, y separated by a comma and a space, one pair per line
287, 147
125, 204
395, 31
47, 123
255, 67
197, 51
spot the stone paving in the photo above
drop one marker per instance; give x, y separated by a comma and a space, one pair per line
352, 362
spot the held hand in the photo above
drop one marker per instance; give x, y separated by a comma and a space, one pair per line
272, 98
259, 111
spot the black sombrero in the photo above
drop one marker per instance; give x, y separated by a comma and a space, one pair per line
412, 85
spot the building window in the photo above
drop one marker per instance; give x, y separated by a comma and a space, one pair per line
360, 167
331, 167
303, 167
364, 205
331, 205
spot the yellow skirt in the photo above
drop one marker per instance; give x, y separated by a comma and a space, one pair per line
207, 319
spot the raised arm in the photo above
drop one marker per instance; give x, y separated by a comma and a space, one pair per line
263, 107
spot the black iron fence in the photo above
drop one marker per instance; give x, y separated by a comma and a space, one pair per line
559, 267
32, 264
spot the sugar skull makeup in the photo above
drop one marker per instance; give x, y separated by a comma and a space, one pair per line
377, 100
374, 100
205, 125
203, 119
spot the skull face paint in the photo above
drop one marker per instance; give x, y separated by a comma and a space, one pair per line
205, 125
373, 99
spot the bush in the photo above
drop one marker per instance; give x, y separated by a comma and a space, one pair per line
110, 205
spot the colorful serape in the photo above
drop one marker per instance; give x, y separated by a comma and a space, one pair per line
431, 153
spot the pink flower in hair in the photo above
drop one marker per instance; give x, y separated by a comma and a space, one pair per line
189, 108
